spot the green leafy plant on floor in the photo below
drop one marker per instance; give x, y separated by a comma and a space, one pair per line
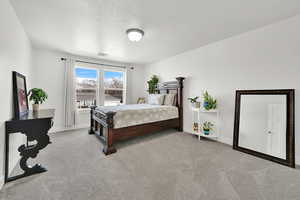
152, 84
209, 101
37, 95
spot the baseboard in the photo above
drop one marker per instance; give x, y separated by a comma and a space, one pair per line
1, 182
297, 160
62, 129
225, 140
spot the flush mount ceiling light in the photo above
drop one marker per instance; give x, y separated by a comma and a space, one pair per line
135, 34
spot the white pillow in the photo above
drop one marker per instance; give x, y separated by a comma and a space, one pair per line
169, 99
156, 99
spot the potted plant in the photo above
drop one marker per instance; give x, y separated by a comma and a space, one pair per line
209, 102
207, 127
38, 96
152, 84
194, 101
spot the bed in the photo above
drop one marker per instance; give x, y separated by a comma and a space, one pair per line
116, 123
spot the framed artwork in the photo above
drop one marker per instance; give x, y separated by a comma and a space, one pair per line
141, 100
20, 95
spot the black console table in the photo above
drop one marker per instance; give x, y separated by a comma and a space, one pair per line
35, 125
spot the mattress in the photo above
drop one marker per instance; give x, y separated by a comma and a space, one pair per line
136, 114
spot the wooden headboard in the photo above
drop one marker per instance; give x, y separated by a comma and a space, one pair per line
177, 86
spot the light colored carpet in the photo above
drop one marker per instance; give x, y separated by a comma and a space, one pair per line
167, 166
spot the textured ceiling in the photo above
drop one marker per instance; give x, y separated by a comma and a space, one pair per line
86, 27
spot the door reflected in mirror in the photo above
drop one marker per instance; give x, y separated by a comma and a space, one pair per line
263, 124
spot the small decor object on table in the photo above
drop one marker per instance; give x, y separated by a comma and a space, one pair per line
194, 102
207, 127
152, 84
38, 96
209, 102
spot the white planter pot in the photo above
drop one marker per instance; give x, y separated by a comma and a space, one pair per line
35, 107
196, 105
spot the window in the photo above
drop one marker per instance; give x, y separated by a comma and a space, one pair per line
86, 87
113, 87
99, 86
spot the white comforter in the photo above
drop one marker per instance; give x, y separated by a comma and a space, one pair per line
135, 114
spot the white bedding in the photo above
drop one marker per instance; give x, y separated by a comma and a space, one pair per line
135, 114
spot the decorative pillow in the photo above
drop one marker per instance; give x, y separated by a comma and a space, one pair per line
156, 99
169, 99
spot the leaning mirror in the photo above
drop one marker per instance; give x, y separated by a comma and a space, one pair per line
264, 124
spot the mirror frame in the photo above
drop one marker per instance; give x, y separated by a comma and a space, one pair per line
290, 127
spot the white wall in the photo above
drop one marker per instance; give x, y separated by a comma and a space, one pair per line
268, 58
49, 75
136, 84
15, 55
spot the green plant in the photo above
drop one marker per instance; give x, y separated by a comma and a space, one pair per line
38, 96
193, 100
209, 102
152, 84
207, 126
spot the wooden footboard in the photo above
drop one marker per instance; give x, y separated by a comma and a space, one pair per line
101, 121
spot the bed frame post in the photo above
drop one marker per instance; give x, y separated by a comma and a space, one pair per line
180, 101
108, 146
91, 131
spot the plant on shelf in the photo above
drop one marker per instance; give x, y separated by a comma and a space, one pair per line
209, 102
207, 127
152, 84
38, 96
194, 101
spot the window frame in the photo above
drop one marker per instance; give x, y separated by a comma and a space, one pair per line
124, 89
100, 89
97, 85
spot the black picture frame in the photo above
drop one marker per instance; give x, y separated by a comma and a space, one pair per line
290, 125
20, 99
